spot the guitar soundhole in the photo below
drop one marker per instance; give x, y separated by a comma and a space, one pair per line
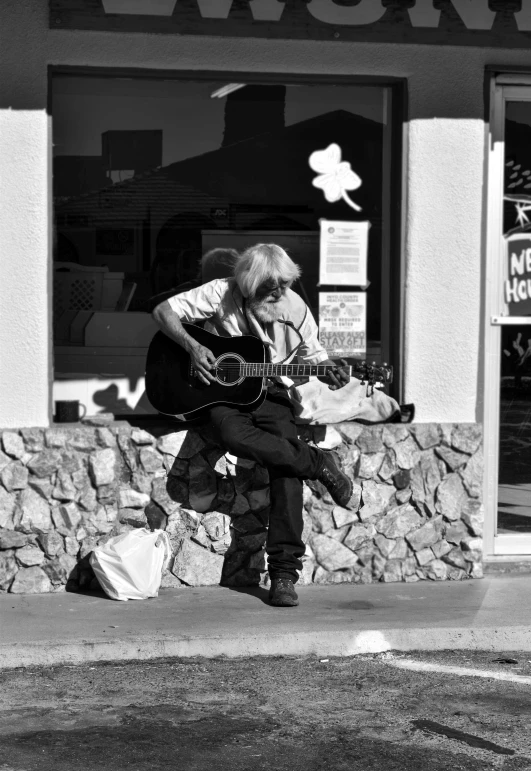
228, 369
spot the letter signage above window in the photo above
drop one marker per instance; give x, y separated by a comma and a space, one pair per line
440, 22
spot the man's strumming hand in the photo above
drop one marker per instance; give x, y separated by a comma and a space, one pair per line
203, 361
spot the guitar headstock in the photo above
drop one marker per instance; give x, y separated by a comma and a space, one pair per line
373, 373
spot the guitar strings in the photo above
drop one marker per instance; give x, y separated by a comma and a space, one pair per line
238, 366
292, 366
307, 366
250, 366
319, 367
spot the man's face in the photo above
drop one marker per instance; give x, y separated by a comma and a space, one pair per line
265, 304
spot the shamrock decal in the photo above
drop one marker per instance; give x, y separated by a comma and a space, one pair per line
335, 176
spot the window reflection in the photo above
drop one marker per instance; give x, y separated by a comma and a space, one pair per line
151, 174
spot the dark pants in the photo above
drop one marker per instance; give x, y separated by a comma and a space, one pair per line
268, 436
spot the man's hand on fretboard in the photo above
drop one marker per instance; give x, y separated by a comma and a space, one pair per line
338, 374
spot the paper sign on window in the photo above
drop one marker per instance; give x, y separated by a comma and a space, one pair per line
518, 283
343, 253
342, 323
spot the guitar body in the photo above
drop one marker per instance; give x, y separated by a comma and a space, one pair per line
173, 389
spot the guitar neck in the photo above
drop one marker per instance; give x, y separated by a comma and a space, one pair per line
286, 370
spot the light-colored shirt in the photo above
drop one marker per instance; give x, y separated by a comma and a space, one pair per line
221, 304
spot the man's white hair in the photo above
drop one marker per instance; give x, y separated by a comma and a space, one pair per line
261, 263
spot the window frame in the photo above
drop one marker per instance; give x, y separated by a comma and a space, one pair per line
398, 159
502, 85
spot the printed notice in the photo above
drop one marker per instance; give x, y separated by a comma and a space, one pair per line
518, 274
343, 253
342, 323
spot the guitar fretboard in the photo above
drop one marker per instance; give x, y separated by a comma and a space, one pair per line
286, 370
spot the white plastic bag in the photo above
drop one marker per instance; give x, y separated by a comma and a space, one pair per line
129, 566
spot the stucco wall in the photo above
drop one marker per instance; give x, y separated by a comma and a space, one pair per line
444, 177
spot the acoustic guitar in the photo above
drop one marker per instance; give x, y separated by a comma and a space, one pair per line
241, 368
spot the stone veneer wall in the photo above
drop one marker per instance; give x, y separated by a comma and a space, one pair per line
416, 514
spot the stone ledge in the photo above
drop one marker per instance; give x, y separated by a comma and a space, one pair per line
66, 489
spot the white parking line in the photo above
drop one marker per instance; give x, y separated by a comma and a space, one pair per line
422, 666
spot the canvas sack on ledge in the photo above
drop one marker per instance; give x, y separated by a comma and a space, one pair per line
315, 402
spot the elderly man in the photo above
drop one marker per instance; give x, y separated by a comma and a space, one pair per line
259, 301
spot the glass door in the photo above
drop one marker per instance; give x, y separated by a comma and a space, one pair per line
508, 332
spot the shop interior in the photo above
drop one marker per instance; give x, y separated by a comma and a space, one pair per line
149, 174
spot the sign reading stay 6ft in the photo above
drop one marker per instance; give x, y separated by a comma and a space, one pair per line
500, 23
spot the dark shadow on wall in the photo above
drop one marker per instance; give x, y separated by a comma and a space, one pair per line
245, 559
82, 580
213, 507
109, 401
480, 375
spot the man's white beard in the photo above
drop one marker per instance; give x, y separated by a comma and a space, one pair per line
265, 312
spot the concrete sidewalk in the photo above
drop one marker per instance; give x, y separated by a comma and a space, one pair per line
344, 620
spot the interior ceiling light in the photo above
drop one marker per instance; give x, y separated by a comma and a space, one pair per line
140, 7
226, 90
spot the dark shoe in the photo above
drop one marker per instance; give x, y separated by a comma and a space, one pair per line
336, 482
282, 593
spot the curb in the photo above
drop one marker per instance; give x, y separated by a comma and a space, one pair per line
337, 643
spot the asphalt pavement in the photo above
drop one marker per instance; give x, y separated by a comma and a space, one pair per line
300, 713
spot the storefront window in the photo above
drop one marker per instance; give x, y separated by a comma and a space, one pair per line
149, 175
